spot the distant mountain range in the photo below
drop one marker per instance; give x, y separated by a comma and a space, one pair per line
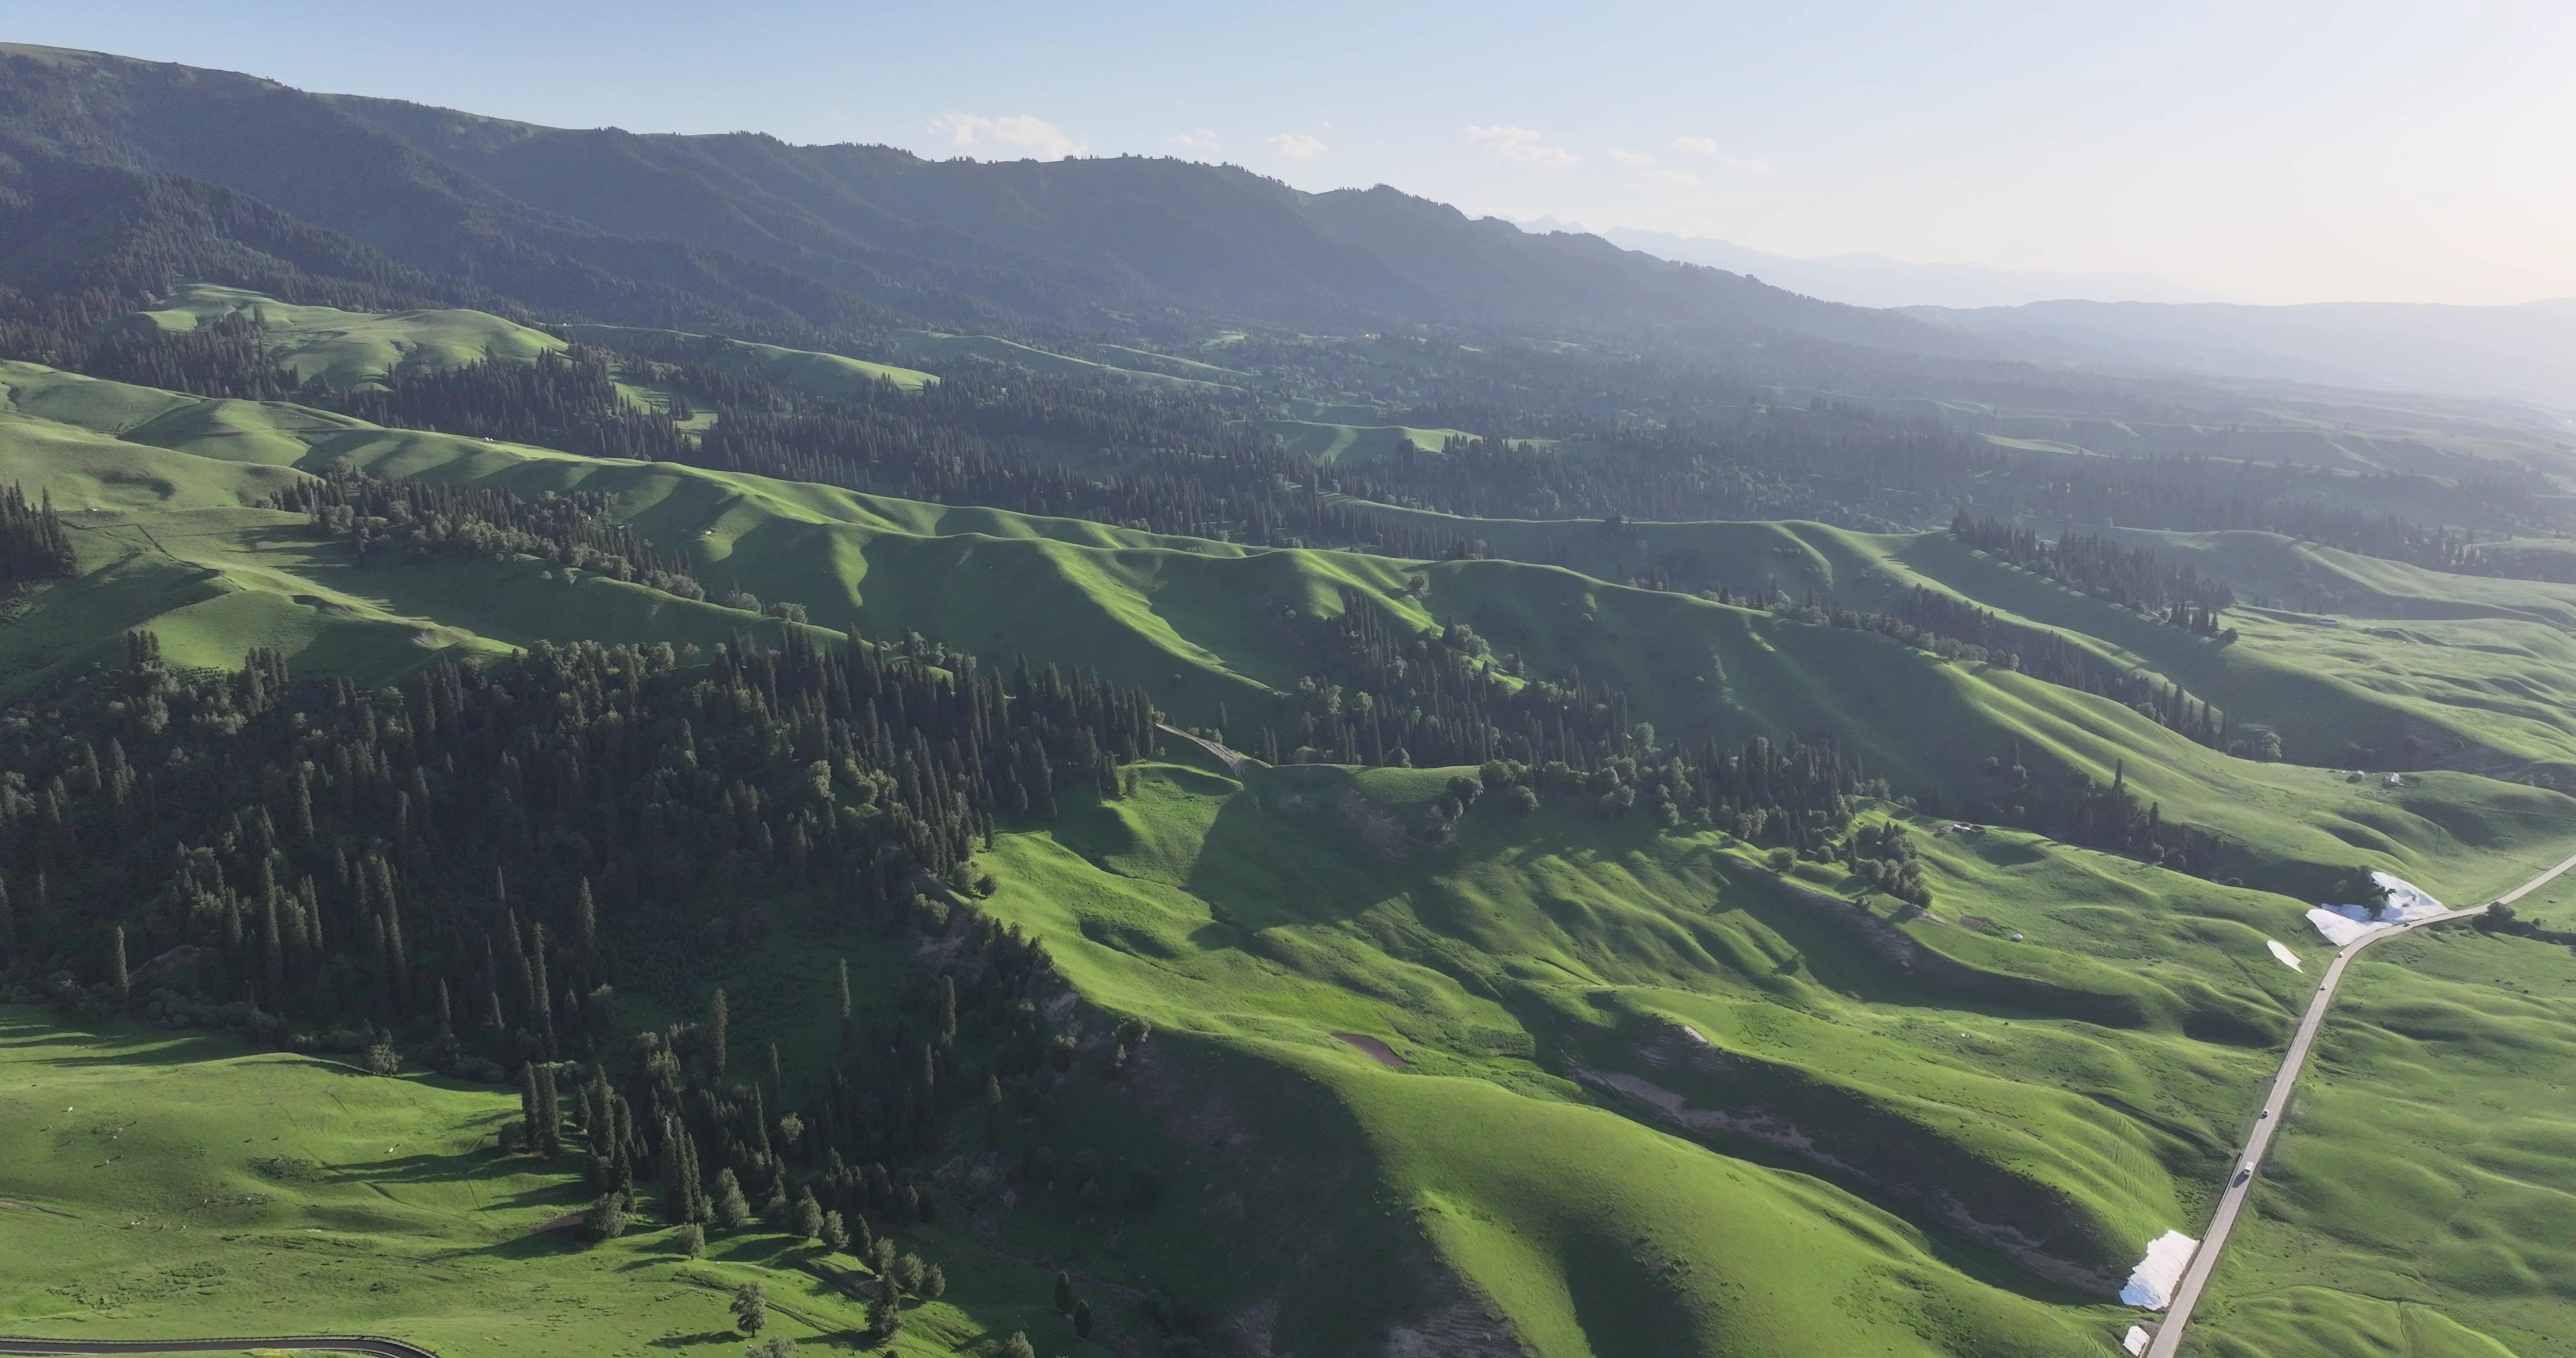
122, 178
1871, 280
2127, 320
2525, 353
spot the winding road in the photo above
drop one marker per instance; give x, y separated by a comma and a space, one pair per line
2231, 1200
349, 1343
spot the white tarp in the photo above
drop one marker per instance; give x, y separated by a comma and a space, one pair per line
2282, 952
2151, 1283
2405, 902
2136, 1340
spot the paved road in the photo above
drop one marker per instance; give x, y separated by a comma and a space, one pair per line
2168, 1336
377, 1348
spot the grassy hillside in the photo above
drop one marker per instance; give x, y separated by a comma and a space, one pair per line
1353, 442
163, 1184
1207, 623
929, 346
351, 348
2072, 1094
2419, 1198
2473, 669
802, 370
1635, 1071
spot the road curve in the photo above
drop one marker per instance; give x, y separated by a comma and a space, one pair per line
326, 1343
2231, 1200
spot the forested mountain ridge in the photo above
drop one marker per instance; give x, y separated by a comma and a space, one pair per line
729, 220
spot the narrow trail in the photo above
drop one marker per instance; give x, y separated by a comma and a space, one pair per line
2167, 1340
1232, 759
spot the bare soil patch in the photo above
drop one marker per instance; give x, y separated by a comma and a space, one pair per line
1377, 1051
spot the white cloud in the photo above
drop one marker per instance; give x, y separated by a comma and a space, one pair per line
1632, 158
1707, 146
1296, 145
1519, 146
1197, 139
1041, 139
1684, 178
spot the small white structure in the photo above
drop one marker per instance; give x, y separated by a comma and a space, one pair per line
2152, 1282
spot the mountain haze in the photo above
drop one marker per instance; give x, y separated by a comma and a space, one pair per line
1873, 280
2525, 353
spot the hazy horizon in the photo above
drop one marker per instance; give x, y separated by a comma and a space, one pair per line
2284, 153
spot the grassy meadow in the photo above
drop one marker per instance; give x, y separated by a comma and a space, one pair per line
1632, 1093
162, 1184
2422, 1198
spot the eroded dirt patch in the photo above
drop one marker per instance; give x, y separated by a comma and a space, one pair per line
1377, 1051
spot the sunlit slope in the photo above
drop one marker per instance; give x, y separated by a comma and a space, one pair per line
1334, 443
2027, 1114
2423, 669
352, 348
927, 346
816, 374
168, 1185
1202, 623
2422, 1185
213, 583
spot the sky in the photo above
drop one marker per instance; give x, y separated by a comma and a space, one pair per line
2265, 150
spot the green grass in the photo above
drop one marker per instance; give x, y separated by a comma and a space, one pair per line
802, 370
1332, 443
353, 348
2475, 669
1992, 1129
928, 346
1169, 614
2422, 1194
167, 1185
2082, 1088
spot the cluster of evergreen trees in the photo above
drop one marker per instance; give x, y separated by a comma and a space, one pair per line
1440, 698
1955, 630
482, 860
2071, 807
2131, 577
227, 357
1882, 855
489, 845
566, 399
378, 517
33, 545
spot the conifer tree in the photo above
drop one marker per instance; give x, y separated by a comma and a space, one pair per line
732, 1210
717, 1036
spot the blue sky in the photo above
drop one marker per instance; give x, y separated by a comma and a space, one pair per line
2276, 152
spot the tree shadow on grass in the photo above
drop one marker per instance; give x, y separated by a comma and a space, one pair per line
25, 1026
683, 1341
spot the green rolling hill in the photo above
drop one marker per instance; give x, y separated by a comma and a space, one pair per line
1043, 893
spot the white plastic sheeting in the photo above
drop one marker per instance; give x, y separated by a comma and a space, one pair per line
2151, 1283
2281, 951
2136, 1340
2405, 901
